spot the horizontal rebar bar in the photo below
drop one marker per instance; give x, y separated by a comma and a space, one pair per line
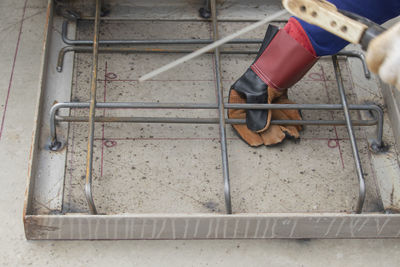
376, 111
64, 36
88, 49
209, 120
152, 105
83, 18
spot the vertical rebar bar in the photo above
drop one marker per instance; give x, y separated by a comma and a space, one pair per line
92, 111
221, 112
353, 142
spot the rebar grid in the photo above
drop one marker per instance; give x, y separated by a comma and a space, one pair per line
81, 46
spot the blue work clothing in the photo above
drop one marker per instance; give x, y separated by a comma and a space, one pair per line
379, 11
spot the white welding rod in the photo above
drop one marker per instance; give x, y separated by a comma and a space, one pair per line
212, 46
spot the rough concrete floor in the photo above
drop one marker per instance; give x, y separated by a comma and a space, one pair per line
169, 168
21, 32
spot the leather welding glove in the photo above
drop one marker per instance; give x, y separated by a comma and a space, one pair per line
275, 134
283, 59
383, 56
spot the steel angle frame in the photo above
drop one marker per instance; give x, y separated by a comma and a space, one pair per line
94, 48
46, 178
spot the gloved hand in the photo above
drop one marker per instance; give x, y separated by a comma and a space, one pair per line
275, 134
283, 59
383, 56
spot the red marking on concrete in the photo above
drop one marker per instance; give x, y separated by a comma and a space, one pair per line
352, 88
72, 130
315, 76
12, 70
110, 76
334, 127
110, 143
106, 75
317, 138
334, 145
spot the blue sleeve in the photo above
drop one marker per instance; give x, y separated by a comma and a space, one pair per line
379, 11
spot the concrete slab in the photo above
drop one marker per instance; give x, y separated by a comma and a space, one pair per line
135, 171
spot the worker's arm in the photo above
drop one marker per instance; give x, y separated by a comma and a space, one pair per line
383, 56
326, 43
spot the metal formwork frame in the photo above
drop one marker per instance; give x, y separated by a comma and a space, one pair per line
95, 49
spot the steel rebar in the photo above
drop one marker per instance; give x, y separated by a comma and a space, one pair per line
359, 55
64, 36
92, 112
376, 110
88, 49
221, 111
361, 196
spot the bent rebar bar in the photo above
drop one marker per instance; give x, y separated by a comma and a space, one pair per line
376, 110
361, 196
92, 112
66, 40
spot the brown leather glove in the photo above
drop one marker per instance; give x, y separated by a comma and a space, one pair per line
283, 59
274, 134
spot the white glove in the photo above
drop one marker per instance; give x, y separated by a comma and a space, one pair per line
383, 56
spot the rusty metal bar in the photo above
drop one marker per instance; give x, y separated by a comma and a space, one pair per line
92, 112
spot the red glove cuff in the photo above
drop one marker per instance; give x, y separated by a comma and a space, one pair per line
294, 29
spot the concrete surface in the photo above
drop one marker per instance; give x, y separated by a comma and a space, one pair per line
135, 171
21, 33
